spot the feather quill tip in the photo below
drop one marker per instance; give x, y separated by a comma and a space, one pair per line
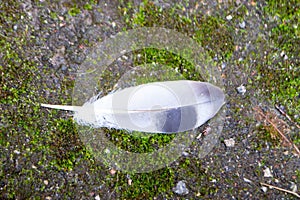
61, 107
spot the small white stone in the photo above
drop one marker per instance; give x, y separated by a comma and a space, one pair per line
185, 153
242, 24
229, 143
181, 188
293, 187
16, 152
247, 180
123, 51
113, 24
264, 189
241, 89
125, 57
267, 173
97, 197
223, 65
229, 17
15, 27
46, 182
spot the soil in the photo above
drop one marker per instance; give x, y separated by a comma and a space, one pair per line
253, 44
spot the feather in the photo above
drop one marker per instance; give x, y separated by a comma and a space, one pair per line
158, 107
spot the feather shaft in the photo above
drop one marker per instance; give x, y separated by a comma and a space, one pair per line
61, 107
159, 107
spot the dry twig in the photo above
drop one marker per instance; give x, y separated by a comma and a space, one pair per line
260, 112
281, 189
286, 115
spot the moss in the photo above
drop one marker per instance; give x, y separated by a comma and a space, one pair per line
143, 186
23, 124
192, 171
47, 139
211, 32
75, 8
280, 73
270, 135
135, 142
298, 175
165, 58
73, 11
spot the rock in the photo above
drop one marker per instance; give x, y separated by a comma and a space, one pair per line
294, 187
267, 173
185, 153
241, 89
229, 17
229, 143
264, 189
242, 24
15, 27
16, 152
129, 181
247, 180
224, 65
97, 197
181, 188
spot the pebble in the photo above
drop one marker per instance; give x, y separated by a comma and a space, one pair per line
241, 89
15, 27
185, 153
224, 65
112, 171
181, 188
229, 17
264, 189
97, 197
267, 173
293, 187
64, 67
229, 143
247, 180
129, 181
17, 152
282, 54
242, 24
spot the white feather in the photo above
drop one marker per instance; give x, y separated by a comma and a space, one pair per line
158, 107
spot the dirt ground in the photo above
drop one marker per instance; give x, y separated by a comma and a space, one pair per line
254, 45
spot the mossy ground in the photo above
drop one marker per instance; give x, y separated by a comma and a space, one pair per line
42, 155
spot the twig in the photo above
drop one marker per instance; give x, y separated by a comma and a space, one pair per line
281, 134
286, 115
281, 189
